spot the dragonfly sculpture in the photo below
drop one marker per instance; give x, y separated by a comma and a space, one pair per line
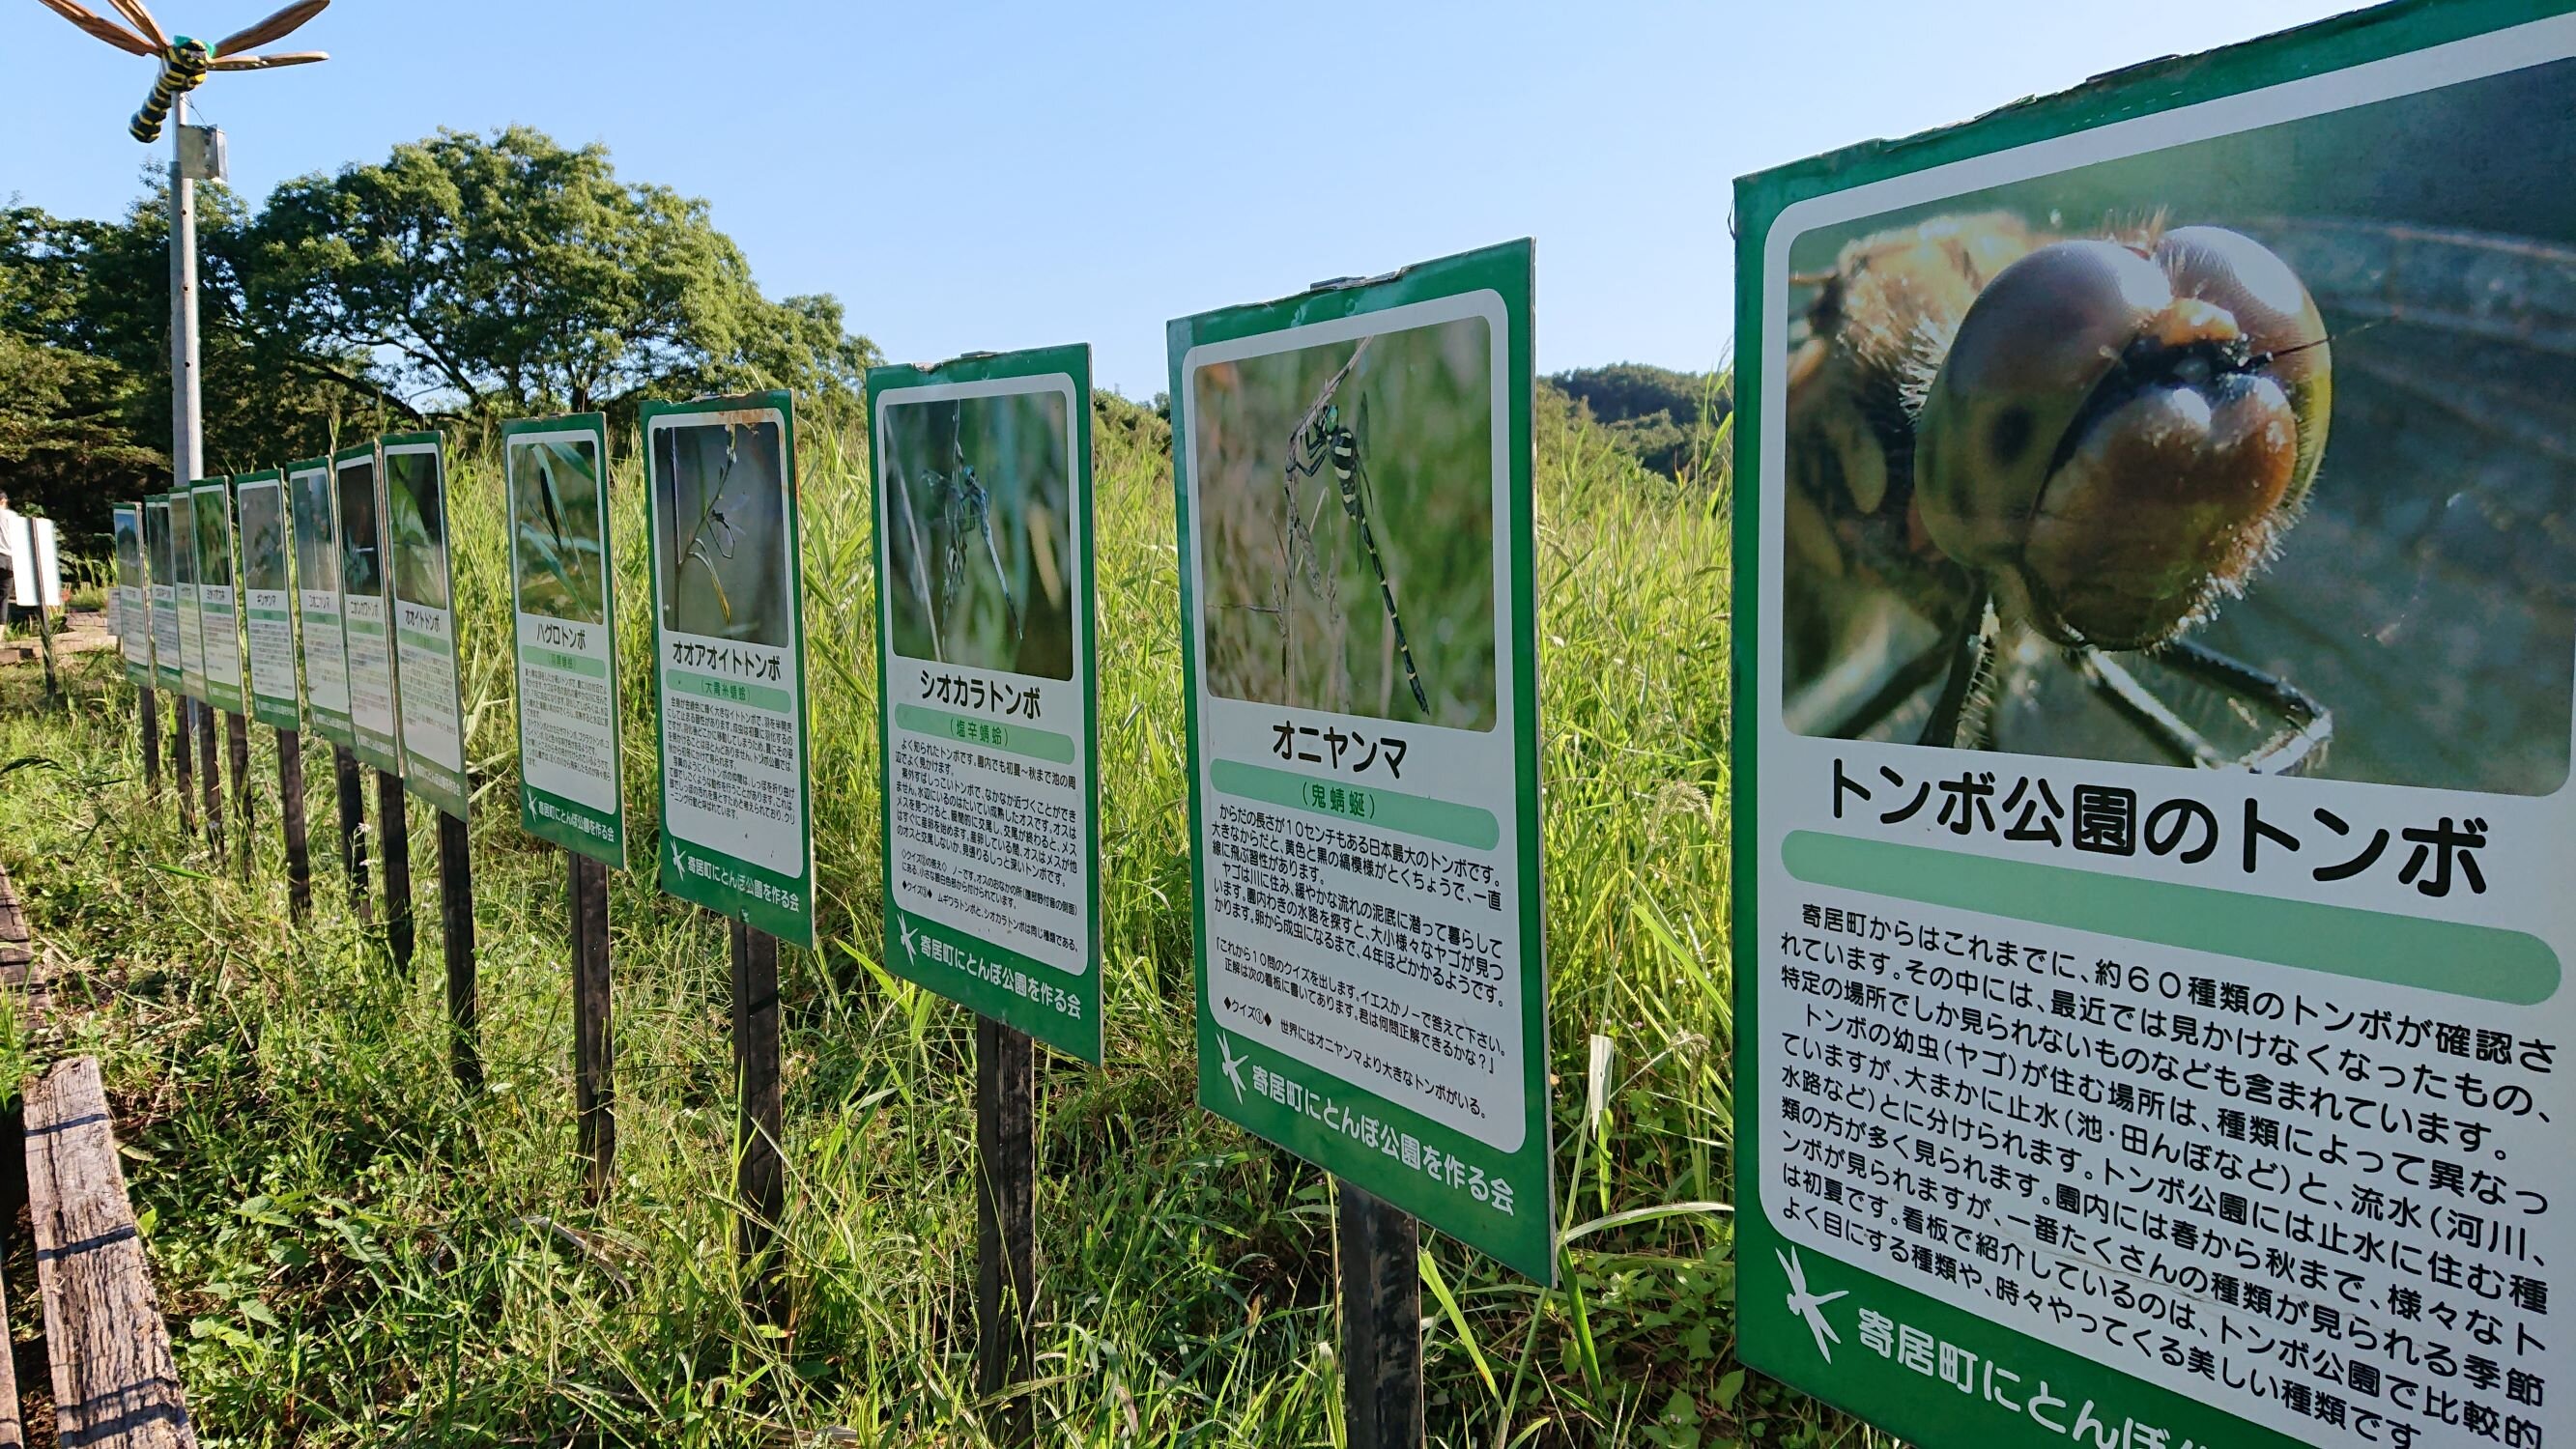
185, 60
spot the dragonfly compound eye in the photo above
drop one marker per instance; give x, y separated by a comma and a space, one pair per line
2118, 436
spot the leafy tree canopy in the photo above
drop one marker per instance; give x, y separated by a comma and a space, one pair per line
465, 278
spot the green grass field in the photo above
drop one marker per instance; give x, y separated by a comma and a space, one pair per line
351, 1252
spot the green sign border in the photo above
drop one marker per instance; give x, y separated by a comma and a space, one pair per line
383, 753
432, 781
533, 802
1081, 1037
270, 710
749, 907
1772, 1338
332, 725
1526, 1240
165, 673
225, 697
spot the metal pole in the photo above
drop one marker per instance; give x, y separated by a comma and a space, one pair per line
187, 440
760, 1177
1381, 1323
594, 1052
290, 815
1005, 1220
456, 922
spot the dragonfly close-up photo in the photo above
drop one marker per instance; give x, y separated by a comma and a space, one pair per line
2145, 460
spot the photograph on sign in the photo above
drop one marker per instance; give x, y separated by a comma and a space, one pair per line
365, 610
1345, 570
315, 520
259, 500
426, 688
729, 660
133, 618
564, 598
161, 560
218, 604
2266, 319
984, 591
1360, 627
190, 611
2186, 419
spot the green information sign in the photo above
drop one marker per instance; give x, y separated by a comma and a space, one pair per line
729, 659
161, 558
563, 593
316, 518
2155, 664
1361, 668
267, 598
192, 634
133, 613
366, 609
984, 661
426, 692
218, 594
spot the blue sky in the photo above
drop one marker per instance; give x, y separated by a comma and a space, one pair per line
993, 176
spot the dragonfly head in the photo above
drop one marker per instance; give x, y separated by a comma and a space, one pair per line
2118, 434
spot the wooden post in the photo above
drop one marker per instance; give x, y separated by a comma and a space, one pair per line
148, 708
183, 759
594, 1052
759, 1171
237, 735
393, 830
456, 922
353, 826
210, 777
1005, 1219
1381, 1275
290, 816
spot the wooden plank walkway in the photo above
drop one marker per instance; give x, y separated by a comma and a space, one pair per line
16, 947
115, 1383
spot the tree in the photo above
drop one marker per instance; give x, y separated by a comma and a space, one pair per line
515, 274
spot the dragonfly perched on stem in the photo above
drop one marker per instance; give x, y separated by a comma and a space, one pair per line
1320, 439
963, 516
712, 538
2006, 447
186, 61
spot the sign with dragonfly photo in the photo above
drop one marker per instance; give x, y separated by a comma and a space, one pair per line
2156, 655
1360, 666
161, 559
427, 695
133, 616
220, 652
564, 595
729, 659
984, 665
316, 519
259, 501
366, 609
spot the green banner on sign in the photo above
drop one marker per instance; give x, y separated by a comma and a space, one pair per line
1359, 633
990, 760
427, 692
728, 609
2150, 735
564, 598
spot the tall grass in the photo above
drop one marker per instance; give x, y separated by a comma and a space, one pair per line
353, 1252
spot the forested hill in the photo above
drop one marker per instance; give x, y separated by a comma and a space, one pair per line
1667, 420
